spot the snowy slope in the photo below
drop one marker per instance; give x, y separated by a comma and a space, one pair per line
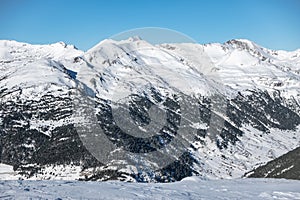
142, 64
28, 66
244, 65
189, 188
259, 119
286, 166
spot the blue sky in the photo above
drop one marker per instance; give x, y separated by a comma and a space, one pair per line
271, 23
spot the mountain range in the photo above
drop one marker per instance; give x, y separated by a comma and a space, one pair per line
234, 107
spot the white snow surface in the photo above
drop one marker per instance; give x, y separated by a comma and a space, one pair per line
188, 188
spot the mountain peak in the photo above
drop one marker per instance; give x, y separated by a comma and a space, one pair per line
134, 38
242, 44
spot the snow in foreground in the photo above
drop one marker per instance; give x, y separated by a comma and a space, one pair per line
189, 188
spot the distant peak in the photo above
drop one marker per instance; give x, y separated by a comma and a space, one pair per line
113, 42
130, 39
242, 44
64, 45
60, 43
239, 42
134, 38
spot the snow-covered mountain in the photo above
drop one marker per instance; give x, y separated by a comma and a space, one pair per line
244, 101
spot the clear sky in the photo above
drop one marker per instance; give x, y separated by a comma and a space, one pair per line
271, 23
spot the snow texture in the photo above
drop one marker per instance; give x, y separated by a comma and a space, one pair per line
188, 188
